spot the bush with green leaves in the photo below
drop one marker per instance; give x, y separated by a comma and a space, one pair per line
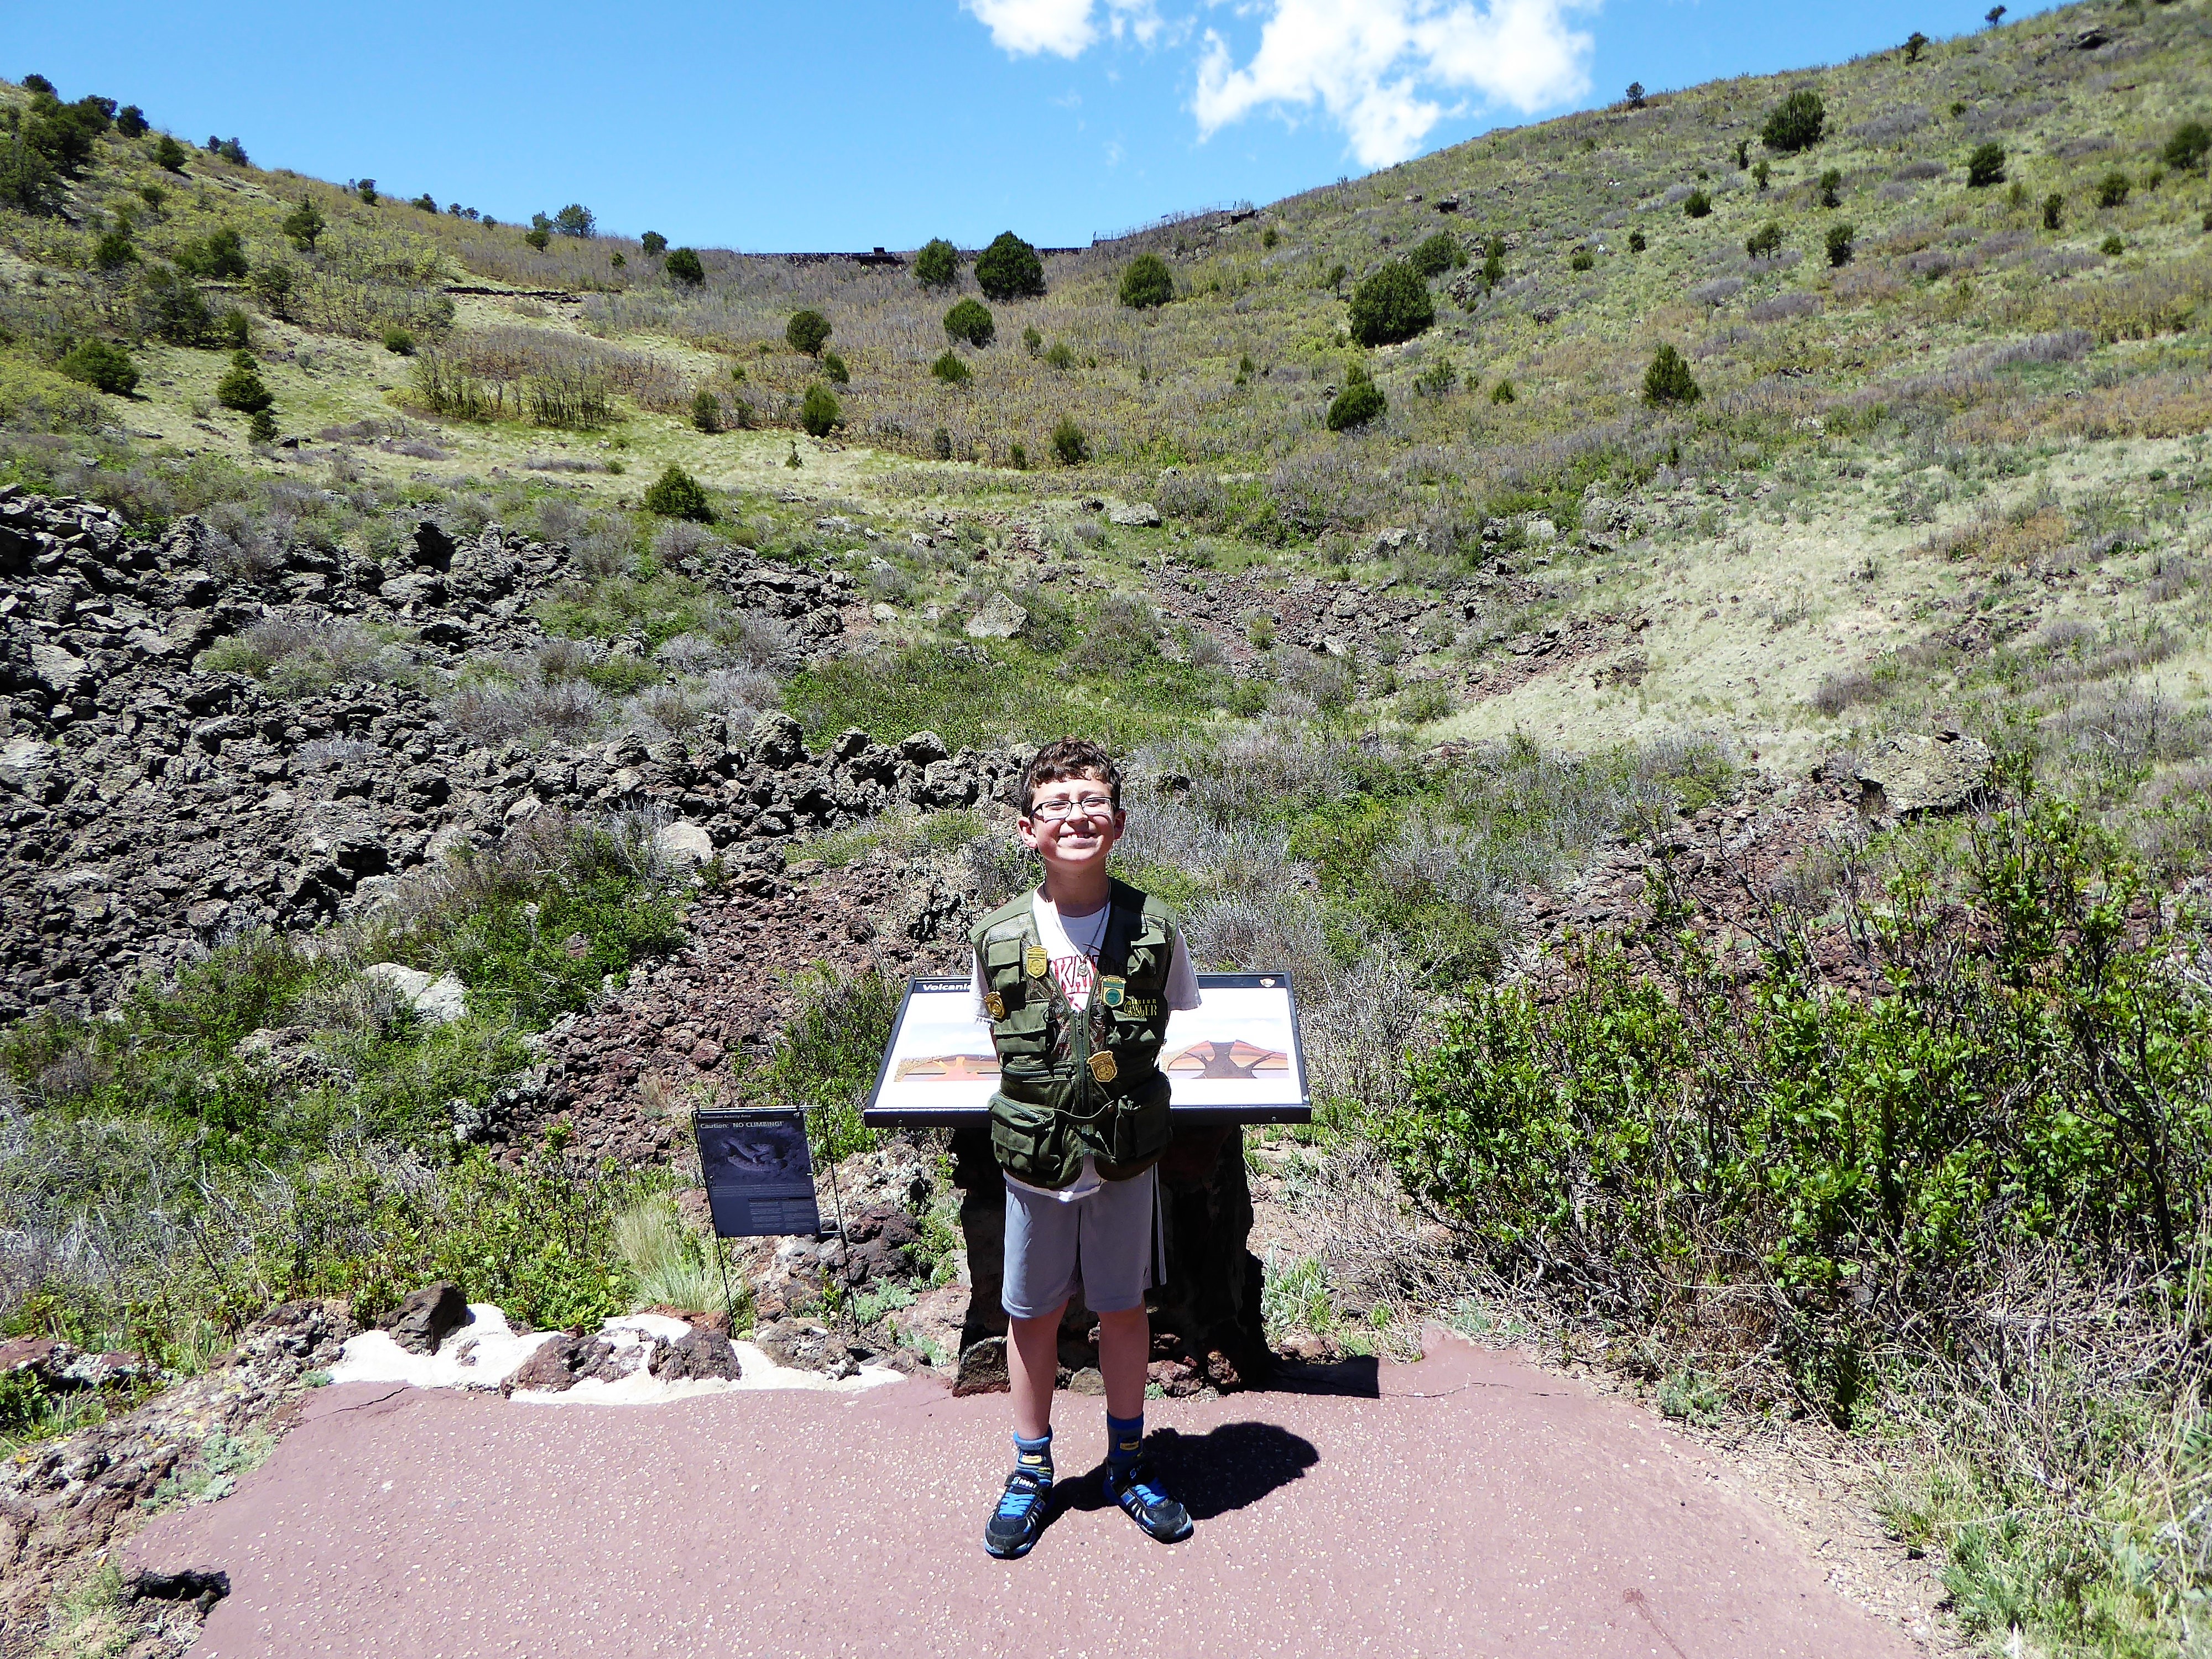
1360, 402
1637, 241
653, 244
113, 250
304, 225
399, 341
677, 494
1839, 240
1797, 123
169, 305
970, 321
1697, 204
2189, 148
131, 122
1502, 393
2112, 189
1146, 282
834, 368
1069, 444
168, 155
683, 266
1765, 242
2054, 210
1831, 187
261, 426
951, 369
1439, 253
1667, 381
1060, 356
234, 328
807, 331
102, 366
819, 413
539, 237
706, 412
1582, 259
1391, 305
1986, 166
937, 263
574, 220
219, 257
2112, 246
241, 387
1009, 269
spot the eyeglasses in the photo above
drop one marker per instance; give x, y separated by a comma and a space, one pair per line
1053, 811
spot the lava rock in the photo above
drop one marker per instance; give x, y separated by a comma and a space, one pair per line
422, 1321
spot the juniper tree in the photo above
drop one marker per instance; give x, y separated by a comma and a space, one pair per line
677, 494
938, 264
1832, 188
131, 121
2054, 209
1009, 269
1839, 241
1438, 254
1668, 381
168, 155
304, 224
807, 331
683, 265
574, 220
952, 370
1391, 305
1069, 443
653, 244
706, 411
1915, 43
834, 367
241, 387
2187, 149
1146, 282
1697, 204
970, 320
367, 191
820, 413
1985, 167
103, 367
1360, 401
1795, 124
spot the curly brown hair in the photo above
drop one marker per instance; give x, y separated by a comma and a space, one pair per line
1070, 757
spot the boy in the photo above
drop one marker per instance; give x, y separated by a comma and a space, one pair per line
1078, 979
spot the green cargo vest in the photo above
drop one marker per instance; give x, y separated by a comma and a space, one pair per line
1053, 1106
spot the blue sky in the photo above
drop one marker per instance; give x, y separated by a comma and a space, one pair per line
863, 122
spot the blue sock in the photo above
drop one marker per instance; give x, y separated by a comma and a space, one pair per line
1034, 1456
1125, 1440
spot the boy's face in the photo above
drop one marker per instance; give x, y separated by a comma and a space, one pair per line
1072, 824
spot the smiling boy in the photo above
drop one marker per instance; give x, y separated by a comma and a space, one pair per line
1076, 979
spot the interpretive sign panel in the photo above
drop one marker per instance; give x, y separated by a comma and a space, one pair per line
1234, 1059
760, 1180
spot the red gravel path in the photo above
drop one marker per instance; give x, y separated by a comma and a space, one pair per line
1470, 1504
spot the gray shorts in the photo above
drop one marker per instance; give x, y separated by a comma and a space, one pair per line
1105, 1243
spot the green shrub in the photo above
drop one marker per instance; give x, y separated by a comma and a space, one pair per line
807, 331
1360, 401
170, 306
221, 257
2187, 149
573, 220
539, 237
951, 369
234, 330
113, 250
653, 244
1668, 381
1795, 124
304, 225
1502, 393
1439, 253
1060, 356
1915, 43
1391, 305
1146, 282
683, 265
425, 202
261, 427
1069, 444
706, 411
1009, 269
1017, 457
940, 440
1582, 259
1697, 204
1986, 166
970, 320
2113, 246
2054, 210
366, 190
399, 341
1032, 341
2112, 189
677, 494
101, 366
938, 264
1840, 240
168, 155
1831, 187
1637, 241
1765, 242
834, 367
241, 387
131, 122
1762, 172
819, 413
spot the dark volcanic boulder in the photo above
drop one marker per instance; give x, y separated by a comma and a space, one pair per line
421, 1322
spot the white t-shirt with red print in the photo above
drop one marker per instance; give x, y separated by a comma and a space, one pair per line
1071, 945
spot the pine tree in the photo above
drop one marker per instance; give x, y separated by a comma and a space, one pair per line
807, 331
819, 413
938, 264
1391, 305
1668, 381
304, 224
677, 494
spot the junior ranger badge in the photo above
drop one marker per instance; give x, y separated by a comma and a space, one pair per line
994, 1005
1034, 962
1101, 1067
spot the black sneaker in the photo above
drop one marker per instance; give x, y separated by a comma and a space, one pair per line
1140, 1497
1015, 1524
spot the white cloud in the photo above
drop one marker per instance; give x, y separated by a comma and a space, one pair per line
1063, 28
1378, 66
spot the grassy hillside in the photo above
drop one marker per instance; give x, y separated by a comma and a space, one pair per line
1933, 459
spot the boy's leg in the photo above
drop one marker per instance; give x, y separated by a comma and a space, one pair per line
1040, 1268
1117, 1239
1033, 1366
